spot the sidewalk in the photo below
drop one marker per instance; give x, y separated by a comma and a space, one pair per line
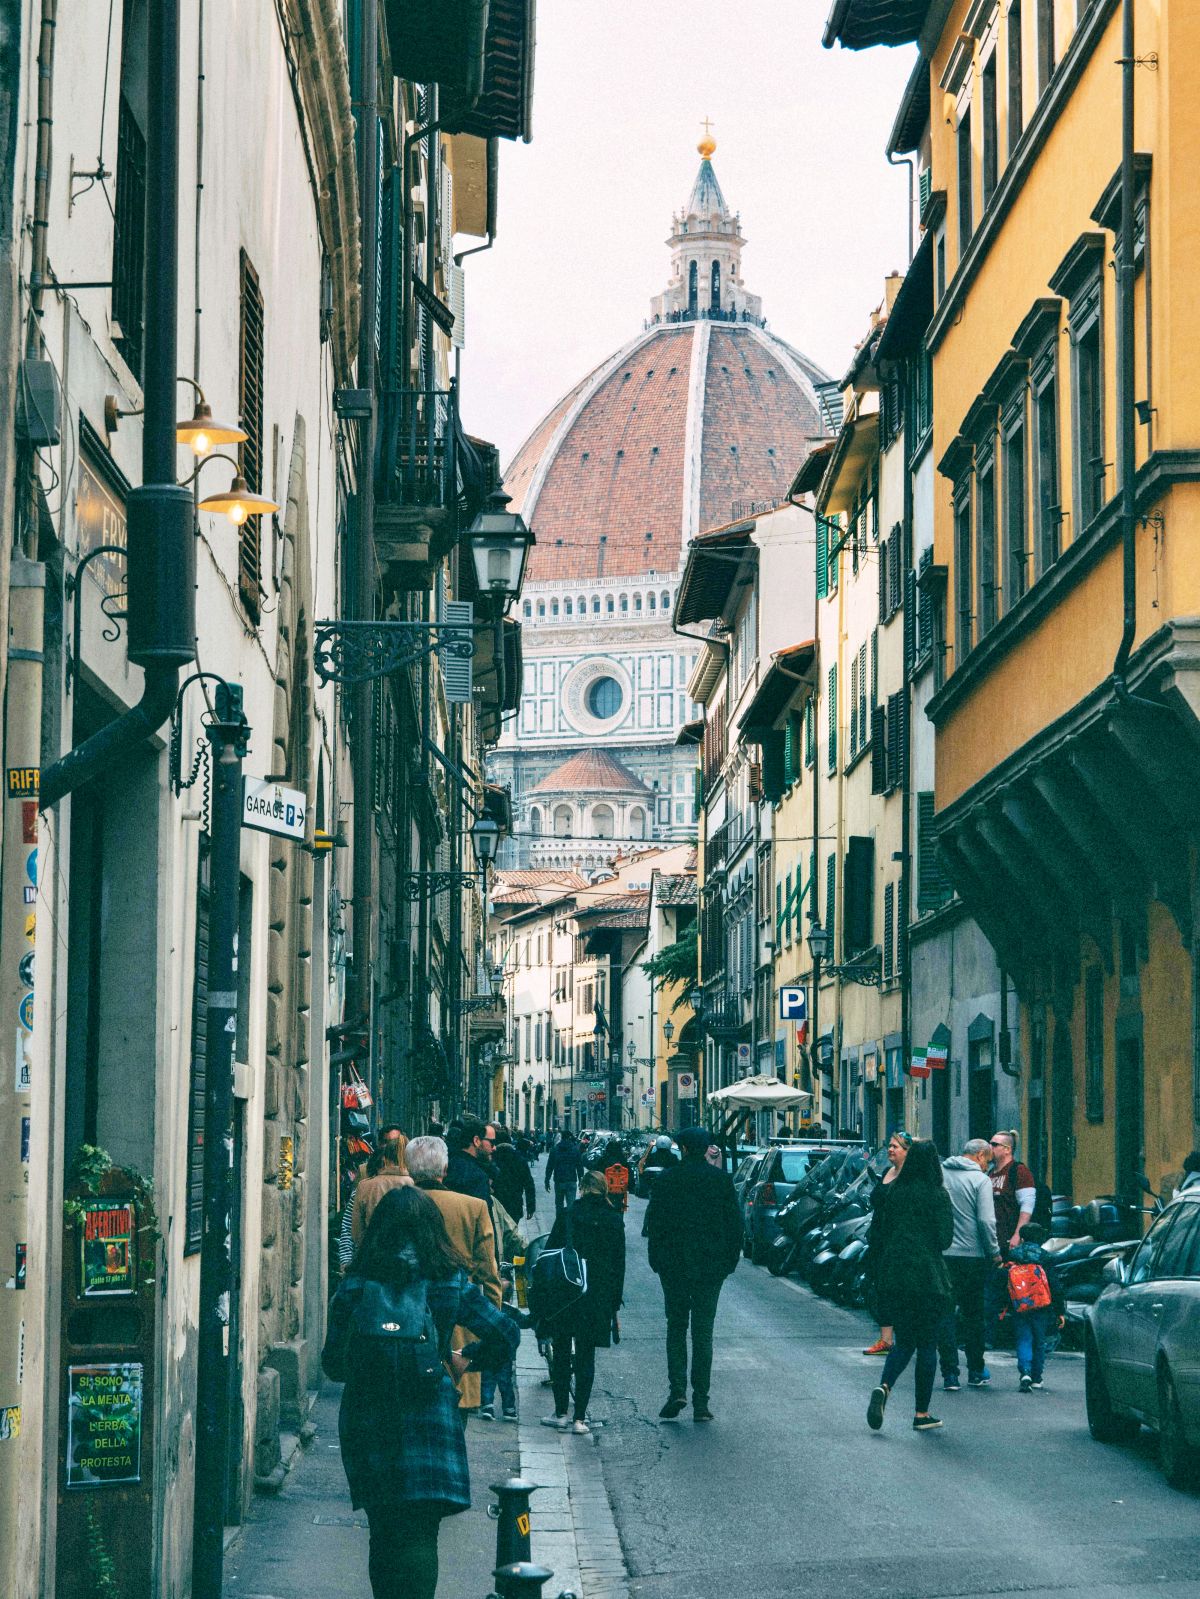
307, 1543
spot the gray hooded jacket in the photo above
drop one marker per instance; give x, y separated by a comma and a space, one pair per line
970, 1193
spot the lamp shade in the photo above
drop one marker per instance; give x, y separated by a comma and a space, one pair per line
200, 432
239, 502
485, 835
818, 942
500, 543
668, 1030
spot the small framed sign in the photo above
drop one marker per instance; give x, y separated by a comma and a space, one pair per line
104, 1425
108, 1248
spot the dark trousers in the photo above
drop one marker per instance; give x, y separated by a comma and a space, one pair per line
695, 1303
968, 1279
565, 1195
569, 1355
403, 1562
916, 1334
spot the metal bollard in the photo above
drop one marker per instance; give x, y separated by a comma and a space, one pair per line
511, 1516
521, 1580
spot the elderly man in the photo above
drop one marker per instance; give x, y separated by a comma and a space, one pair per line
469, 1224
973, 1255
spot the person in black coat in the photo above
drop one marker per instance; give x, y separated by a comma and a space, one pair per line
470, 1170
694, 1229
596, 1231
911, 1233
512, 1178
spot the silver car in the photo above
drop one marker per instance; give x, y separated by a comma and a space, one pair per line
1143, 1343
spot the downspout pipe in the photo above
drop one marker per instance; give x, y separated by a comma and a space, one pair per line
1126, 417
911, 163
161, 539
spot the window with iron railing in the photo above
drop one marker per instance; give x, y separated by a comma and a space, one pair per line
250, 451
129, 239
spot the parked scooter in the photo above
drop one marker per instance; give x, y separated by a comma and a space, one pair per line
807, 1205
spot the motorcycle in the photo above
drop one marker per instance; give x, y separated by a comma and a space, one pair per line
803, 1210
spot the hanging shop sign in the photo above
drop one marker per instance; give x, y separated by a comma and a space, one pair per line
104, 1425
108, 1256
271, 808
919, 1065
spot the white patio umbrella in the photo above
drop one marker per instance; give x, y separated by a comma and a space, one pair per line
759, 1093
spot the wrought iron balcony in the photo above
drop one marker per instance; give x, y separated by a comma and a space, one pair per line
417, 463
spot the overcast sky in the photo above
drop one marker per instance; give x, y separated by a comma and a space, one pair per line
620, 91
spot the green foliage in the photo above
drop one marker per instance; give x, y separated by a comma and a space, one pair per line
88, 1170
105, 1584
678, 963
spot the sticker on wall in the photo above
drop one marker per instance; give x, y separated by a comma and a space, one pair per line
31, 867
19, 1273
25, 968
10, 1422
25, 1140
104, 1425
23, 781
24, 1062
31, 926
29, 815
25, 1011
287, 1161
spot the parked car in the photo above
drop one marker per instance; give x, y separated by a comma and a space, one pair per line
769, 1186
1142, 1343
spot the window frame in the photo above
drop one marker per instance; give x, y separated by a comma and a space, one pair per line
1014, 50
1014, 448
1047, 508
984, 542
964, 578
964, 180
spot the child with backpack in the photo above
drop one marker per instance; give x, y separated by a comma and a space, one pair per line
1035, 1303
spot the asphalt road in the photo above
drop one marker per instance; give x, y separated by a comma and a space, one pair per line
788, 1493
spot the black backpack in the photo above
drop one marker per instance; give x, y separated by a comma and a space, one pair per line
390, 1323
558, 1281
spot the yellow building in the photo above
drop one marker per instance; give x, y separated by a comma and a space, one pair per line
1068, 755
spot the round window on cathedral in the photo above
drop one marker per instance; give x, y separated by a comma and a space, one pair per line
604, 698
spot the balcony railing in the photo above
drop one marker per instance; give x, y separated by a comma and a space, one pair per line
417, 457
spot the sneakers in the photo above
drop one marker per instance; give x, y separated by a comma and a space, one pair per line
486, 1413
879, 1399
951, 1385
879, 1347
701, 1413
559, 1422
1026, 1382
925, 1423
979, 1379
1037, 1385
672, 1408
510, 1415
580, 1429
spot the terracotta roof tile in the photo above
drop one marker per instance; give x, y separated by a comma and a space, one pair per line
591, 772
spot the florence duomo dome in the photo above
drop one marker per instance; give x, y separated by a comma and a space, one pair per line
701, 419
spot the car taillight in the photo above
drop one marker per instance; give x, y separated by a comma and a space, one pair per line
766, 1194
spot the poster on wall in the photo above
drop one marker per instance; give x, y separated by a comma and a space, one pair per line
108, 1260
104, 1425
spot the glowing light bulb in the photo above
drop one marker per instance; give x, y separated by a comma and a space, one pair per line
237, 513
201, 443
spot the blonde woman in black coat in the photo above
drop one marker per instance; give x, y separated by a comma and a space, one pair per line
594, 1228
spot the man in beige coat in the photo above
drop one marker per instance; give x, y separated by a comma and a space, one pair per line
469, 1224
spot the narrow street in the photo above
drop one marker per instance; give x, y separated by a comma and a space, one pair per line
786, 1493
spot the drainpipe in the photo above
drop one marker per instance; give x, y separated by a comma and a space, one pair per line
911, 163
363, 694
1126, 417
905, 896
161, 541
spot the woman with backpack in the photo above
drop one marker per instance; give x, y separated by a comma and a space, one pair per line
911, 1232
390, 1325
595, 1230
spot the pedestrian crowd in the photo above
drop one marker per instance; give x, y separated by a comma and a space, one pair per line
954, 1246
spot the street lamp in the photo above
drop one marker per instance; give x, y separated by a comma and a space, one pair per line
485, 836
668, 1031
239, 502
818, 942
500, 543
631, 1049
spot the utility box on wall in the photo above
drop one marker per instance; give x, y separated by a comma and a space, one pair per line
105, 1540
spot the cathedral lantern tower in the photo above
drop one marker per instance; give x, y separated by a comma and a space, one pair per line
700, 420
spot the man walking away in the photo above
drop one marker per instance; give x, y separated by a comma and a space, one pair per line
695, 1233
564, 1168
512, 1178
470, 1171
972, 1256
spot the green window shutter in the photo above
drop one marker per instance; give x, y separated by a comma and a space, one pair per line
810, 732
933, 886
774, 766
874, 668
833, 719
787, 909
778, 914
889, 895
831, 904
822, 557
791, 761
858, 918
833, 536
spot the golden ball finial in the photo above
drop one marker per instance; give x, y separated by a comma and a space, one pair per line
707, 144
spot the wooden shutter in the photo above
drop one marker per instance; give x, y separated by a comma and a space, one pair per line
874, 667
787, 908
910, 607
822, 557
895, 739
194, 1216
883, 580
250, 451
895, 575
810, 732
791, 756
863, 724
774, 765
833, 718
879, 751
853, 706
859, 883
831, 905
889, 897
933, 886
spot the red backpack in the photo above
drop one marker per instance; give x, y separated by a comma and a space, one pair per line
1028, 1287
617, 1179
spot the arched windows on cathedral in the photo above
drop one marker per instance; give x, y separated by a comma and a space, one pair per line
602, 821
666, 601
554, 608
637, 602
715, 291
595, 605
562, 821
567, 606
535, 821
541, 608
652, 601
611, 605
528, 608
637, 822
624, 605
693, 290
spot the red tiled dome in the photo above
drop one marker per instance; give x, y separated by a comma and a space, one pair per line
691, 425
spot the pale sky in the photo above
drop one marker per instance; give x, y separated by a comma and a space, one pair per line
620, 90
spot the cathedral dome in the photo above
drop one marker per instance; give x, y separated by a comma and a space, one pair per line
701, 419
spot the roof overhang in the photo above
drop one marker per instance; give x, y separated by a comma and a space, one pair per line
912, 117
913, 308
778, 686
859, 24
808, 479
856, 445
690, 733
706, 673
714, 563
503, 107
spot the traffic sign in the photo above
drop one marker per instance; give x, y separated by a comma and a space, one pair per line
686, 1086
271, 808
793, 1004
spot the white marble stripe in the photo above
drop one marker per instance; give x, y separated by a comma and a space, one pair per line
693, 463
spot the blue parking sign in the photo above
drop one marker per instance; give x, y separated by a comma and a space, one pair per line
793, 1004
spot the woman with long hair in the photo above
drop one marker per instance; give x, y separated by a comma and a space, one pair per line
898, 1146
403, 1447
911, 1231
594, 1228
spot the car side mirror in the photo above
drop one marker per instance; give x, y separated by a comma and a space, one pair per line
1116, 1271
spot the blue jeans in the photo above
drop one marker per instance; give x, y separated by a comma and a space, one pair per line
914, 1335
1030, 1328
489, 1381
